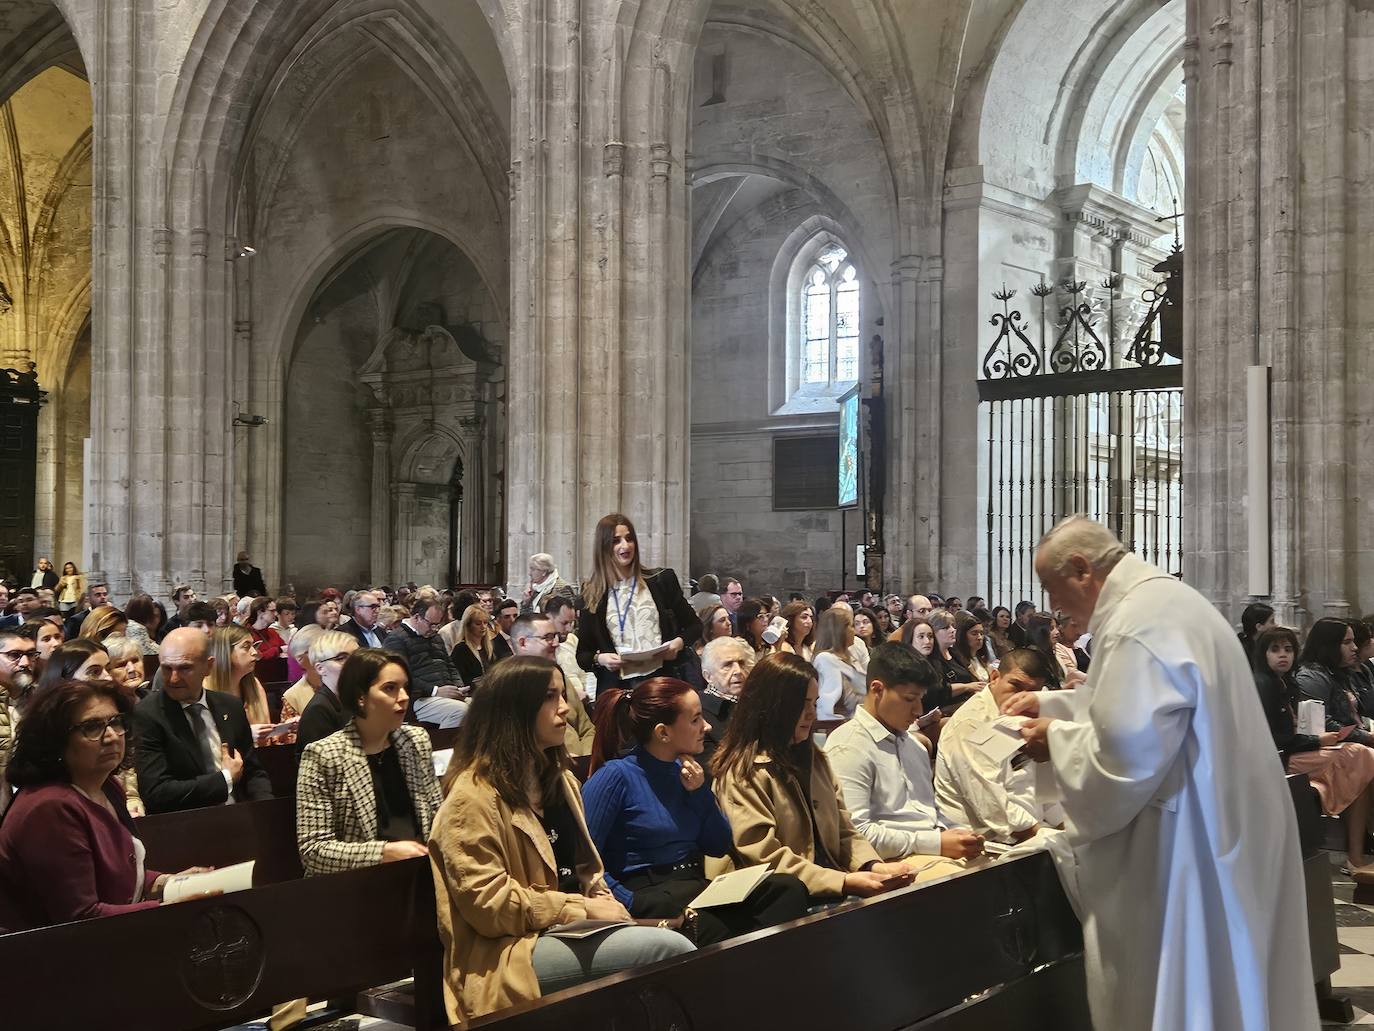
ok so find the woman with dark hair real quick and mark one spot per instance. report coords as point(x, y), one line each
point(752, 621)
point(68, 850)
point(999, 635)
point(779, 794)
point(1255, 618)
point(867, 627)
point(1324, 675)
point(1342, 772)
point(367, 794)
point(262, 614)
point(512, 858)
point(654, 819)
point(801, 630)
point(715, 622)
point(883, 624)
point(144, 621)
point(1042, 634)
point(957, 683)
point(970, 648)
point(1361, 676)
point(70, 587)
point(630, 610)
point(81, 659)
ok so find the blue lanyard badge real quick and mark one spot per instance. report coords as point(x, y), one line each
point(623, 613)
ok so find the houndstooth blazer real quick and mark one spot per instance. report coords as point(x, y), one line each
point(336, 807)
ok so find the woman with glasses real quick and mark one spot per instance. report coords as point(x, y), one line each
point(68, 850)
point(367, 794)
point(324, 714)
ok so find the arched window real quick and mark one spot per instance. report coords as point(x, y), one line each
point(830, 320)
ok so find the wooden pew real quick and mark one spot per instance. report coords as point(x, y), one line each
point(224, 835)
point(221, 961)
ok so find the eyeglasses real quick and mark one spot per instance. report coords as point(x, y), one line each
point(546, 638)
point(341, 657)
point(374, 605)
point(94, 730)
point(20, 656)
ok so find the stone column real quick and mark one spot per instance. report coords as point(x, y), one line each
point(379, 424)
point(403, 519)
point(598, 379)
point(474, 564)
point(1280, 273)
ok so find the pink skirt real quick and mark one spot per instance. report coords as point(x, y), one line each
point(1339, 774)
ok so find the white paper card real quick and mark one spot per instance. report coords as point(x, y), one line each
point(584, 928)
point(1000, 739)
point(442, 758)
point(1311, 717)
point(238, 877)
point(732, 887)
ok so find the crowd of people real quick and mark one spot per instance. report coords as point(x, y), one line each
point(841, 741)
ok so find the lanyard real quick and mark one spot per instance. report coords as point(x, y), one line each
point(622, 614)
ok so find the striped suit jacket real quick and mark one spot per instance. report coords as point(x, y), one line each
point(336, 806)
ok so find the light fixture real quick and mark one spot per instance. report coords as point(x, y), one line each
point(248, 420)
point(245, 251)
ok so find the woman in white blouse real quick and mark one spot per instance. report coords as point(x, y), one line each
point(842, 685)
point(630, 611)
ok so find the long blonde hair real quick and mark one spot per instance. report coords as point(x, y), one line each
point(465, 624)
point(603, 559)
point(248, 690)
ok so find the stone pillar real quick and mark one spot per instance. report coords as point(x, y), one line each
point(403, 519)
point(380, 427)
point(474, 564)
point(1280, 272)
point(598, 378)
point(908, 497)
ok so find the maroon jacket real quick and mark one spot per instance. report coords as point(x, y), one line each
point(64, 858)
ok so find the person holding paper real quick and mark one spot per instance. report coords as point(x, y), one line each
point(885, 774)
point(367, 794)
point(234, 673)
point(1342, 772)
point(512, 859)
point(636, 620)
point(654, 819)
point(68, 850)
point(779, 794)
point(1324, 676)
point(1186, 866)
point(978, 785)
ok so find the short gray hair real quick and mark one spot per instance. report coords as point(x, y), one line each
point(121, 648)
point(543, 561)
point(1084, 537)
point(301, 640)
point(721, 650)
point(328, 643)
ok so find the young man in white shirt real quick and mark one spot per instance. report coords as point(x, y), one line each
point(995, 798)
point(884, 770)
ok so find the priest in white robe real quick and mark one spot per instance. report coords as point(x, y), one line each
point(1185, 846)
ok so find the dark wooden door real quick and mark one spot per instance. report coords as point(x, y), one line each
point(20, 399)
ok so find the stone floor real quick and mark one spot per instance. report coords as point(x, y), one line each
point(1355, 930)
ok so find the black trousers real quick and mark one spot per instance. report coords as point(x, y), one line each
point(780, 898)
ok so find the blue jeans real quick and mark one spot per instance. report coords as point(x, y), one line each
point(446, 712)
point(564, 962)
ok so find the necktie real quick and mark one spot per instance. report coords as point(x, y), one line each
point(204, 727)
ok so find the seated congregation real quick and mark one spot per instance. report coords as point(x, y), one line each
point(612, 750)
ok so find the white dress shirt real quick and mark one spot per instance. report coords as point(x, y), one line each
point(994, 799)
point(887, 786)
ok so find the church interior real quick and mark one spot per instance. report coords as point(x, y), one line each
point(311, 305)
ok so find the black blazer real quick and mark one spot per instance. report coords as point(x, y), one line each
point(324, 715)
point(356, 632)
point(717, 711)
point(248, 582)
point(49, 580)
point(168, 759)
point(468, 663)
point(675, 619)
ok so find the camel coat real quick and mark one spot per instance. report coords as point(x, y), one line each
point(495, 884)
point(768, 815)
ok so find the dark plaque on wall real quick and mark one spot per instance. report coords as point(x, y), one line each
point(20, 400)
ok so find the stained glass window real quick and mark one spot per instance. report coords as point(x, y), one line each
point(830, 319)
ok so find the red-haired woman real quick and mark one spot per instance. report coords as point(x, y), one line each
point(630, 610)
point(653, 818)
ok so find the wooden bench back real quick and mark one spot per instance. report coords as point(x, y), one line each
point(224, 835)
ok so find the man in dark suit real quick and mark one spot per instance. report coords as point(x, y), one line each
point(195, 747)
point(363, 626)
point(503, 645)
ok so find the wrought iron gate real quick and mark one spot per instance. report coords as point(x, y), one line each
point(1087, 419)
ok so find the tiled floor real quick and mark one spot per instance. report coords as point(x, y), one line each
point(1355, 930)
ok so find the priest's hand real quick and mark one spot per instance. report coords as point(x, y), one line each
point(1037, 736)
point(1023, 703)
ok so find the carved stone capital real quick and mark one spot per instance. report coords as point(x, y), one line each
point(613, 159)
point(660, 160)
